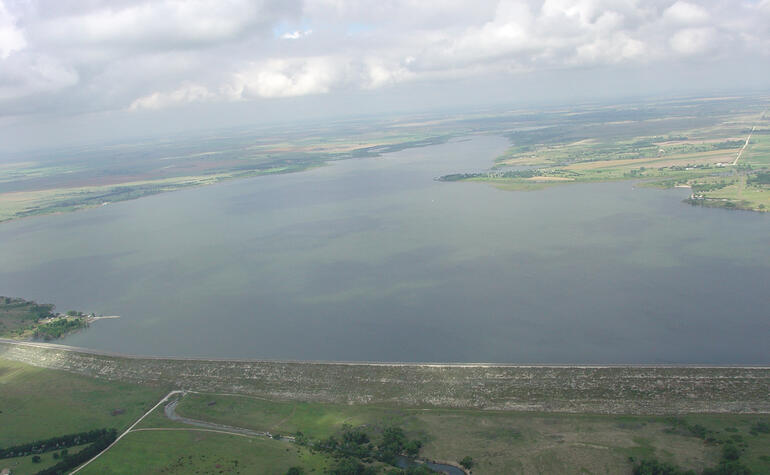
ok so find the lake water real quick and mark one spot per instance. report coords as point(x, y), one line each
point(371, 259)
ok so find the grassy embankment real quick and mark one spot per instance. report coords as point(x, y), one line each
point(22, 319)
point(38, 403)
point(701, 158)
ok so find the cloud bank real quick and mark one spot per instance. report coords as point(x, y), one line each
point(74, 57)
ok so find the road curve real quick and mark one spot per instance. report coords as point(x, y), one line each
point(170, 412)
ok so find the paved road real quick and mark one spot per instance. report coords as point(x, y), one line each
point(740, 152)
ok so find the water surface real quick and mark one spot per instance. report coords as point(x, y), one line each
point(371, 259)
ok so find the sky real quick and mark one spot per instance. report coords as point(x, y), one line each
point(79, 70)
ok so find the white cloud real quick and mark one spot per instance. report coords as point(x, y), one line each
point(378, 72)
point(186, 94)
point(295, 35)
point(11, 37)
point(23, 75)
point(286, 78)
point(158, 24)
point(692, 41)
point(686, 13)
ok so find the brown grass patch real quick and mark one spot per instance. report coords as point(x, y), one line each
point(714, 156)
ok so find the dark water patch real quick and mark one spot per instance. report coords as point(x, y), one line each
point(404, 462)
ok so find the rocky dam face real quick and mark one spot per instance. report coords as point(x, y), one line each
point(570, 389)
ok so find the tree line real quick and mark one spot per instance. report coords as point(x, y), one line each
point(54, 443)
point(71, 461)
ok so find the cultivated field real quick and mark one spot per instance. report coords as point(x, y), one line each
point(723, 144)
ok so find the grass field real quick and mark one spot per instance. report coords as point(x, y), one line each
point(500, 441)
point(192, 451)
point(25, 465)
point(314, 420)
point(38, 403)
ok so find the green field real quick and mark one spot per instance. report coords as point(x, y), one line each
point(192, 451)
point(501, 442)
point(26, 464)
point(314, 420)
point(40, 403)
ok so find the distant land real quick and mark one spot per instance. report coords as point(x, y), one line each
point(718, 147)
point(723, 156)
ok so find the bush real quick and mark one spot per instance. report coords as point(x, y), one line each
point(349, 466)
point(467, 462)
point(730, 452)
point(656, 467)
point(760, 427)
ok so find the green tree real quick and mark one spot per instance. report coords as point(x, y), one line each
point(350, 466)
point(467, 462)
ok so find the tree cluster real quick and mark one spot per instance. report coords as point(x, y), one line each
point(58, 328)
point(354, 449)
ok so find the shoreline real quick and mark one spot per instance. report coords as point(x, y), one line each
point(418, 364)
